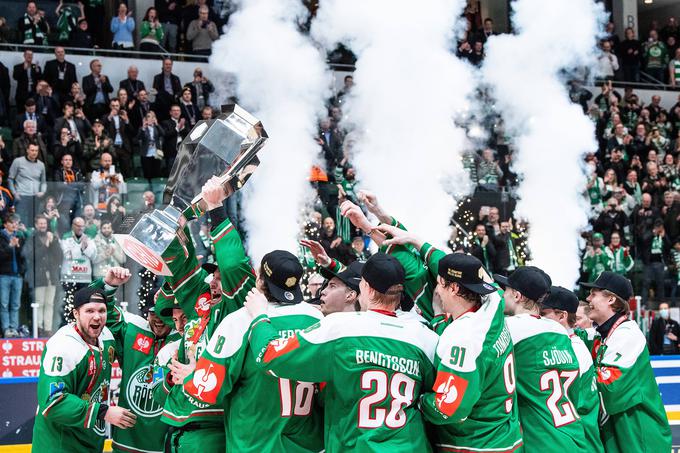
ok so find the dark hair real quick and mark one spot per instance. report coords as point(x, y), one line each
point(349, 76)
point(488, 19)
point(68, 104)
point(30, 102)
point(465, 293)
point(146, 15)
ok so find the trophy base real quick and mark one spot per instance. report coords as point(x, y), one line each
point(144, 255)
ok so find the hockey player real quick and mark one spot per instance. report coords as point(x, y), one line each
point(285, 410)
point(635, 417)
point(374, 364)
point(560, 306)
point(138, 342)
point(548, 383)
point(73, 386)
point(473, 403)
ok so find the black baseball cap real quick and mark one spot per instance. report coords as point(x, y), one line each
point(561, 299)
point(467, 271)
point(530, 281)
point(613, 283)
point(86, 295)
point(382, 271)
point(282, 273)
point(351, 275)
point(209, 267)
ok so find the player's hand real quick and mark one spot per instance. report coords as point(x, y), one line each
point(356, 216)
point(120, 417)
point(213, 193)
point(398, 236)
point(181, 370)
point(317, 251)
point(256, 303)
point(370, 200)
point(117, 276)
point(437, 307)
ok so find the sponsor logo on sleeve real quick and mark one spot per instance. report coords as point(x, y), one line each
point(277, 348)
point(608, 374)
point(207, 381)
point(450, 390)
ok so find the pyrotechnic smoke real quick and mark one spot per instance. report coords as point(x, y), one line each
point(282, 80)
point(408, 87)
point(550, 133)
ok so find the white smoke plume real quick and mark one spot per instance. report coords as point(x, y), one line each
point(282, 80)
point(550, 133)
point(408, 87)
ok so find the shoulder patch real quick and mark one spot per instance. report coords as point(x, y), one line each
point(624, 346)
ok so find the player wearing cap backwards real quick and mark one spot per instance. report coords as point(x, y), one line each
point(560, 306)
point(138, 341)
point(548, 370)
point(473, 400)
point(206, 294)
point(635, 417)
point(374, 364)
point(262, 413)
point(73, 385)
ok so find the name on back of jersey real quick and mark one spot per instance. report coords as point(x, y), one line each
point(555, 356)
point(391, 362)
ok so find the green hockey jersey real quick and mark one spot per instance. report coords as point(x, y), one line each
point(375, 367)
point(588, 407)
point(473, 404)
point(287, 418)
point(74, 380)
point(636, 419)
point(547, 385)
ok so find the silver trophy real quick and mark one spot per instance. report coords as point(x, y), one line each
point(226, 146)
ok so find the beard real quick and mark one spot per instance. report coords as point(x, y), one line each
point(91, 330)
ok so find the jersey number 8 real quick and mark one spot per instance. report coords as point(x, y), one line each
point(399, 387)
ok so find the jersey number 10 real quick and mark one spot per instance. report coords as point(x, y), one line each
point(304, 395)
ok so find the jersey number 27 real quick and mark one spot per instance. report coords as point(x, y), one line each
point(562, 414)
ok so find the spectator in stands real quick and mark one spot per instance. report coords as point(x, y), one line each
point(654, 184)
point(117, 126)
point(489, 172)
point(60, 74)
point(42, 253)
point(482, 248)
point(487, 30)
point(78, 251)
point(330, 241)
point(109, 253)
point(607, 62)
point(70, 187)
point(616, 162)
point(331, 144)
point(30, 114)
point(95, 145)
point(123, 27)
point(76, 96)
point(655, 254)
point(27, 181)
point(132, 84)
point(476, 54)
point(151, 33)
point(139, 108)
point(11, 272)
point(46, 104)
point(656, 57)
point(630, 52)
point(30, 136)
point(115, 212)
point(65, 145)
point(92, 222)
point(6, 198)
point(81, 37)
point(190, 111)
point(4, 95)
point(78, 125)
point(206, 113)
point(33, 26)
point(96, 87)
point(150, 138)
point(105, 183)
point(5, 32)
point(674, 69)
point(149, 202)
point(611, 219)
point(169, 14)
point(620, 259)
point(506, 249)
point(168, 88)
point(96, 15)
point(664, 333)
point(67, 20)
point(200, 88)
point(174, 131)
point(26, 75)
point(202, 32)
point(596, 260)
point(191, 13)
point(51, 213)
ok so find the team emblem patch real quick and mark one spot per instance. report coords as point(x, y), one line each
point(450, 390)
point(277, 348)
point(288, 295)
point(607, 375)
point(290, 282)
point(207, 381)
point(142, 343)
point(112, 354)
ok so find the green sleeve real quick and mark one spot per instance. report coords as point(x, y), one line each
point(418, 284)
point(160, 365)
point(237, 275)
point(628, 262)
point(115, 319)
point(306, 356)
point(57, 394)
point(220, 365)
point(145, 29)
point(160, 33)
point(431, 256)
point(439, 323)
point(188, 278)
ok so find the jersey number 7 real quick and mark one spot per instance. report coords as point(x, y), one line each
point(564, 413)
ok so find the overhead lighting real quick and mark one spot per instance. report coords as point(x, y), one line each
point(648, 2)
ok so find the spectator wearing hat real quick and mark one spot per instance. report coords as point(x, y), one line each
point(655, 255)
point(596, 260)
point(636, 419)
point(11, 273)
point(81, 36)
point(561, 306)
point(664, 332)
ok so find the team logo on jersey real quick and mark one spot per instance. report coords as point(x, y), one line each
point(607, 375)
point(450, 390)
point(56, 387)
point(100, 395)
point(142, 343)
point(207, 381)
point(112, 354)
point(202, 306)
point(277, 348)
point(139, 392)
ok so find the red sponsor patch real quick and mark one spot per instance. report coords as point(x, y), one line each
point(608, 374)
point(207, 381)
point(277, 348)
point(142, 343)
point(202, 305)
point(450, 390)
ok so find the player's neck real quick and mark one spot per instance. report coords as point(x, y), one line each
point(460, 307)
point(521, 310)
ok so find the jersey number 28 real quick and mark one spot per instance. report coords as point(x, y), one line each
point(399, 387)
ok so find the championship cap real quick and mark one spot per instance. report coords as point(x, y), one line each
point(467, 271)
point(382, 271)
point(530, 281)
point(613, 283)
point(561, 299)
point(351, 275)
point(86, 295)
point(282, 272)
point(210, 268)
point(165, 300)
